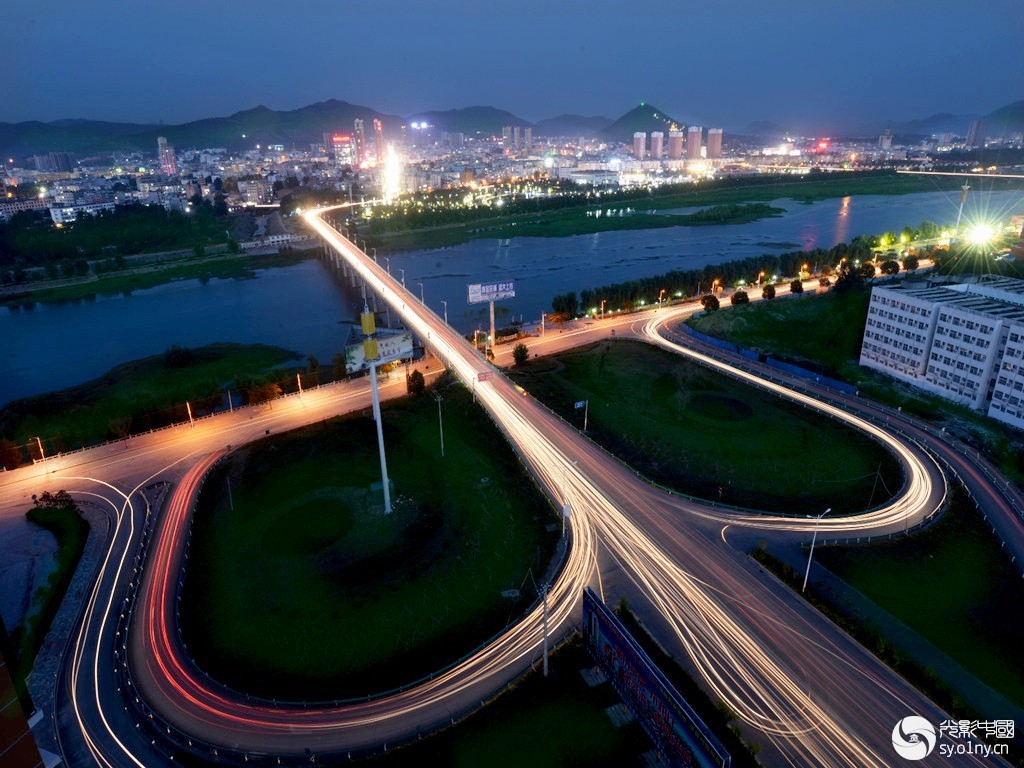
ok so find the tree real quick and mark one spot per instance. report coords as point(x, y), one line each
point(520, 354)
point(866, 270)
point(740, 297)
point(10, 454)
point(709, 302)
point(889, 267)
point(415, 383)
point(796, 286)
point(910, 263)
point(768, 292)
point(565, 304)
point(233, 246)
point(849, 279)
point(261, 393)
point(338, 366)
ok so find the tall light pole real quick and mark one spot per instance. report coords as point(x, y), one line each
point(602, 307)
point(387, 260)
point(39, 442)
point(403, 276)
point(963, 199)
point(421, 292)
point(445, 311)
point(810, 554)
point(374, 255)
point(660, 294)
point(440, 424)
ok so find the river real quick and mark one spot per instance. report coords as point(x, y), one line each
point(301, 307)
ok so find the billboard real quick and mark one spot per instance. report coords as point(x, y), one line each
point(394, 347)
point(481, 292)
point(676, 730)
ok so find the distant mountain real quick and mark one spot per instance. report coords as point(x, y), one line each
point(764, 129)
point(646, 118)
point(571, 125)
point(77, 136)
point(260, 125)
point(1006, 120)
point(471, 120)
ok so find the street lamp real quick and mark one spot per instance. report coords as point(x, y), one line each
point(403, 276)
point(388, 260)
point(811, 553)
point(421, 292)
point(374, 255)
point(660, 294)
point(445, 311)
point(39, 442)
point(759, 276)
point(602, 308)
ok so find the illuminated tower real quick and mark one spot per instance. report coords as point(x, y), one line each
point(657, 145)
point(639, 144)
point(515, 136)
point(714, 142)
point(360, 141)
point(693, 142)
point(168, 162)
point(675, 145)
point(378, 137)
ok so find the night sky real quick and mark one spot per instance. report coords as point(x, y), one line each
point(817, 66)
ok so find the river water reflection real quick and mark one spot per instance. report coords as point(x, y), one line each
point(301, 307)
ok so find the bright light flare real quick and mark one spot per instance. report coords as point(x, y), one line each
point(392, 175)
point(981, 234)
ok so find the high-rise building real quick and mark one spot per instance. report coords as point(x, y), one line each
point(976, 134)
point(515, 136)
point(529, 137)
point(506, 136)
point(693, 142)
point(360, 138)
point(885, 140)
point(639, 144)
point(714, 142)
point(378, 138)
point(675, 145)
point(165, 152)
point(657, 145)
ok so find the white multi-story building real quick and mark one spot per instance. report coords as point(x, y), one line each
point(964, 342)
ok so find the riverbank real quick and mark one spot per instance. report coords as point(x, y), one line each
point(133, 397)
point(216, 265)
point(579, 219)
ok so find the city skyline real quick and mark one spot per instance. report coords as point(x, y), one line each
point(755, 63)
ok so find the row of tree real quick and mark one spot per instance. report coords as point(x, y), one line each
point(628, 295)
point(30, 239)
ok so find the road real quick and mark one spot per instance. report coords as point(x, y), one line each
point(816, 696)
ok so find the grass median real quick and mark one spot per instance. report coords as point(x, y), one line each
point(954, 586)
point(702, 433)
point(305, 590)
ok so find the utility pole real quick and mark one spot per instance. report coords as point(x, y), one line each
point(188, 407)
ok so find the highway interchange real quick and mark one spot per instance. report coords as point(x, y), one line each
point(815, 696)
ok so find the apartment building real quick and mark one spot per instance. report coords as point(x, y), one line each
point(964, 342)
